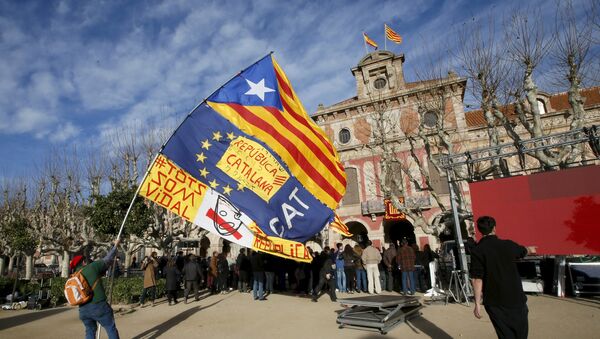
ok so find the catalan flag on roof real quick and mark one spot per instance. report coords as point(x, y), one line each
point(249, 165)
point(369, 41)
point(391, 35)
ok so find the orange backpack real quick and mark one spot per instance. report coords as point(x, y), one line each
point(78, 290)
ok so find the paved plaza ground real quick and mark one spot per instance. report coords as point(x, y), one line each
point(236, 315)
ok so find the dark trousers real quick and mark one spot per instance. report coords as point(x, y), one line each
point(509, 322)
point(243, 282)
point(148, 291)
point(172, 296)
point(321, 284)
point(350, 278)
point(191, 285)
point(389, 286)
point(222, 282)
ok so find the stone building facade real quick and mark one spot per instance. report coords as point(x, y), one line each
point(350, 124)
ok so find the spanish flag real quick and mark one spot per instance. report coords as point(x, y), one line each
point(391, 35)
point(369, 41)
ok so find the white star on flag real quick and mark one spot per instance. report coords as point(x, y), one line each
point(258, 89)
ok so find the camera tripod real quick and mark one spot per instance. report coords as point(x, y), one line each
point(459, 289)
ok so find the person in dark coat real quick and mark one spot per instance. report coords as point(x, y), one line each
point(173, 275)
point(496, 281)
point(350, 257)
point(243, 264)
point(223, 273)
point(326, 275)
point(258, 273)
point(180, 261)
point(192, 274)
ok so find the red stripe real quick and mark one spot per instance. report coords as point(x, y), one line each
point(315, 175)
point(301, 119)
point(308, 142)
point(214, 216)
point(283, 85)
point(325, 142)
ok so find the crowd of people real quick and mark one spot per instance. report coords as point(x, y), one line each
point(346, 269)
point(361, 268)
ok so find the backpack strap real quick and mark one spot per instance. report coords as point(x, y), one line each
point(95, 281)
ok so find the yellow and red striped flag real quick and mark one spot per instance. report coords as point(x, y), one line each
point(368, 41)
point(391, 35)
point(339, 226)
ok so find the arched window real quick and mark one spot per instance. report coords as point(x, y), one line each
point(344, 135)
point(430, 119)
point(541, 106)
point(379, 83)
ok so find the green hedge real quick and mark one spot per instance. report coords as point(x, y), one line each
point(125, 290)
point(24, 287)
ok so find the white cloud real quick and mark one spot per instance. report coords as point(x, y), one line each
point(114, 64)
point(64, 132)
point(30, 120)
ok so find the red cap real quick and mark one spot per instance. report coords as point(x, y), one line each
point(75, 261)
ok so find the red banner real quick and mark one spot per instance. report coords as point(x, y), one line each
point(556, 211)
point(391, 212)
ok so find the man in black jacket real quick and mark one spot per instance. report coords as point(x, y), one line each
point(243, 266)
point(326, 277)
point(192, 274)
point(497, 283)
point(258, 274)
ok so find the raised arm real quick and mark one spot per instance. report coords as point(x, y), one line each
point(111, 254)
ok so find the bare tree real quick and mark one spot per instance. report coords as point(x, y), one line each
point(58, 207)
point(13, 206)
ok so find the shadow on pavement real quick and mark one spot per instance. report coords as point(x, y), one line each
point(159, 329)
point(428, 328)
point(589, 302)
point(29, 317)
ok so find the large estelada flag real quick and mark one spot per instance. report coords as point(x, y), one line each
point(248, 164)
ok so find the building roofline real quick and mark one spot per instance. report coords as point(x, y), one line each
point(421, 87)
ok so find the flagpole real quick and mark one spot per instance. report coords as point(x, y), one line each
point(112, 270)
point(384, 38)
point(365, 42)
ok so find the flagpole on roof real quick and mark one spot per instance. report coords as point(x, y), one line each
point(365, 42)
point(384, 38)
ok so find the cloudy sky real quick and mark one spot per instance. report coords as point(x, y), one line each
point(72, 71)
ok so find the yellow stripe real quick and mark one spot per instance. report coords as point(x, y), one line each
point(317, 164)
point(234, 117)
point(330, 154)
point(299, 108)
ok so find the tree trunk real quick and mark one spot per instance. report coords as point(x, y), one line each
point(28, 266)
point(127, 262)
point(11, 263)
point(66, 257)
point(2, 265)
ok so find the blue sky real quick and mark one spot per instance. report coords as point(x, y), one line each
point(74, 71)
